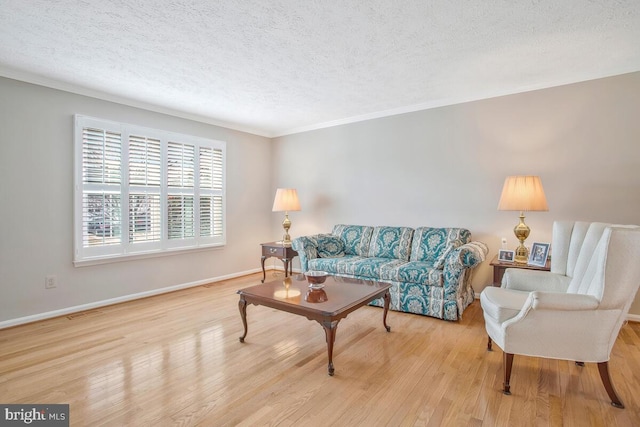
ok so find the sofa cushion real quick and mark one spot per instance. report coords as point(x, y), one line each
point(356, 238)
point(370, 267)
point(434, 244)
point(335, 265)
point(330, 246)
point(502, 304)
point(422, 273)
point(391, 242)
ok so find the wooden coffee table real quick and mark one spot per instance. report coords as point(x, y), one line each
point(293, 295)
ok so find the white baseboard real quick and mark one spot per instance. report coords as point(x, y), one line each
point(633, 317)
point(281, 268)
point(89, 306)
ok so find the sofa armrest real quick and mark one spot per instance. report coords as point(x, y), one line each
point(533, 280)
point(307, 248)
point(468, 255)
point(457, 267)
point(317, 246)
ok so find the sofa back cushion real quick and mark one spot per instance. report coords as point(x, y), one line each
point(330, 246)
point(356, 238)
point(434, 244)
point(391, 242)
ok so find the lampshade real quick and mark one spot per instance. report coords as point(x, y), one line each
point(523, 193)
point(286, 200)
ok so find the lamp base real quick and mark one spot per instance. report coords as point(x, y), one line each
point(521, 231)
point(522, 255)
point(286, 224)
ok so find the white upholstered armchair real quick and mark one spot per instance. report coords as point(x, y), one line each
point(575, 311)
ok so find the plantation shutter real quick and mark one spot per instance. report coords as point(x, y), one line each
point(101, 187)
point(211, 185)
point(181, 195)
point(145, 223)
point(141, 191)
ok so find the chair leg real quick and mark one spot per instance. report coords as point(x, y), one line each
point(507, 361)
point(603, 368)
point(489, 345)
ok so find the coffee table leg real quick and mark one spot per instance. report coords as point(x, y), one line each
point(387, 300)
point(330, 332)
point(242, 305)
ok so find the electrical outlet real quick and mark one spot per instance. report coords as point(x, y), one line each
point(504, 243)
point(50, 282)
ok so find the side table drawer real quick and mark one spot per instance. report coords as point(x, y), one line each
point(274, 251)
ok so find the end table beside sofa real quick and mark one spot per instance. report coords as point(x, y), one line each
point(281, 251)
point(499, 267)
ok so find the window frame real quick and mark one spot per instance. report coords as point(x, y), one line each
point(128, 247)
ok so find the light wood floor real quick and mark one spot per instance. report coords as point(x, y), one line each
point(175, 359)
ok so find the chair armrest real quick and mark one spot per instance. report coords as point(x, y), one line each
point(534, 280)
point(559, 301)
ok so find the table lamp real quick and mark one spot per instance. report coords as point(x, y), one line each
point(286, 200)
point(522, 193)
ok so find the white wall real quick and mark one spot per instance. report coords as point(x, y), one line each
point(446, 166)
point(439, 167)
point(36, 216)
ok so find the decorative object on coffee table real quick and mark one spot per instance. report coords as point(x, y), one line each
point(316, 278)
point(522, 193)
point(315, 295)
point(286, 201)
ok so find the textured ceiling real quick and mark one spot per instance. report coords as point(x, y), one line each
point(284, 66)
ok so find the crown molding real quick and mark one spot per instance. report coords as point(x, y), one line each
point(40, 80)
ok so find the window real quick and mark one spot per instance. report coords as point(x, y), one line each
point(144, 191)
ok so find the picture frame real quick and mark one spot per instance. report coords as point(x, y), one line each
point(538, 254)
point(505, 255)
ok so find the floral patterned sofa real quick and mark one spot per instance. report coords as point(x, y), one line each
point(429, 268)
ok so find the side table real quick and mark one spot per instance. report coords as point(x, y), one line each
point(278, 250)
point(499, 267)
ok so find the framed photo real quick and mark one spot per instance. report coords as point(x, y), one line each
point(505, 255)
point(538, 254)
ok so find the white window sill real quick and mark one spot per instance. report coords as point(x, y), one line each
point(143, 255)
